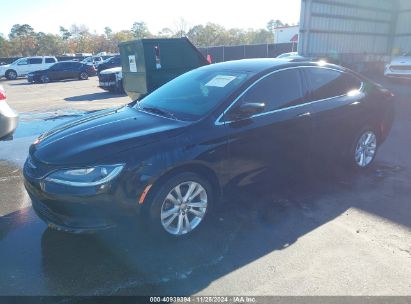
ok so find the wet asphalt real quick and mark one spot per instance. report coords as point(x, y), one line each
point(323, 231)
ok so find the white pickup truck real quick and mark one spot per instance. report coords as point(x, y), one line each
point(23, 66)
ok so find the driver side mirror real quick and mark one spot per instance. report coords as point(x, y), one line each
point(247, 110)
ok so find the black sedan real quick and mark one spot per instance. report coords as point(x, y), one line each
point(172, 154)
point(63, 70)
point(109, 63)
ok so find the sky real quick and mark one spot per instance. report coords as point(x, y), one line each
point(48, 15)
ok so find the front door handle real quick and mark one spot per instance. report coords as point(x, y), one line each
point(305, 114)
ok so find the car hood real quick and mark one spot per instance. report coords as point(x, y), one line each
point(404, 60)
point(102, 134)
point(39, 72)
point(111, 71)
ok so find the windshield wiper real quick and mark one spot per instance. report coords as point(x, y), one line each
point(160, 112)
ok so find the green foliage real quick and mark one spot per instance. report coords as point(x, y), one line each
point(140, 30)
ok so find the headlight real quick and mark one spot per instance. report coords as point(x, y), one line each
point(85, 177)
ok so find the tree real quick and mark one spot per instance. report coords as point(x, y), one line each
point(165, 33)
point(5, 47)
point(140, 30)
point(49, 44)
point(79, 30)
point(18, 30)
point(65, 33)
point(272, 24)
point(259, 37)
point(209, 35)
point(108, 31)
point(181, 28)
point(22, 39)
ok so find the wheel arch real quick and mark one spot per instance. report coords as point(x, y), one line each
point(197, 168)
point(11, 70)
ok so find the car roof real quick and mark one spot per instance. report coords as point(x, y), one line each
point(266, 64)
point(40, 57)
point(69, 61)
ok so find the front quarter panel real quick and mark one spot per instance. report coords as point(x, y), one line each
point(199, 146)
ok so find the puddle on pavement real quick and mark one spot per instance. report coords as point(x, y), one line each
point(34, 124)
point(31, 125)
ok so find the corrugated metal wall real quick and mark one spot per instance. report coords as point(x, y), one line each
point(402, 41)
point(342, 28)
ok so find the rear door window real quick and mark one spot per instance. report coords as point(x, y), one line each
point(279, 90)
point(325, 83)
point(35, 60)
point(50, 60)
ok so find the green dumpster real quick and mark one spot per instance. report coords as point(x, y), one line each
point(149, 63)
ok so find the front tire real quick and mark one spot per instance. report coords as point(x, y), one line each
point(180, 206)
point(11, 75)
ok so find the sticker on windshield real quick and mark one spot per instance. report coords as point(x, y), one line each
point(220, 81)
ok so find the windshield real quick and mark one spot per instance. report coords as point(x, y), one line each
point(17, 61)
point(194, 94)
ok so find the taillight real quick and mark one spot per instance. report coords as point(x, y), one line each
point(2, 95)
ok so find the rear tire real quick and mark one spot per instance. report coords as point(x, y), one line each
point(363, 149)
point(11, 75)
point(179, 215)
point(83, 76)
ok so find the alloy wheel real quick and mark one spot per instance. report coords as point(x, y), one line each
point(45, 79)
point(184, 208)
point(366, 149)
point(12, 75)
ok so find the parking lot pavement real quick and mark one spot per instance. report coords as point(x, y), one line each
point(59, 96)
point(322, 232)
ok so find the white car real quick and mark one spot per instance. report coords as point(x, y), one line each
point(8, 117)
point(93, 60)
point(111, 80)
point(399, 67)
point(23, 66)
point(290, 55)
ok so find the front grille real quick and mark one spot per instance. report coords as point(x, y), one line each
point(107, 77)
point(45, 212)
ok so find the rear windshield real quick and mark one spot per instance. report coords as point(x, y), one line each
point(194, 94)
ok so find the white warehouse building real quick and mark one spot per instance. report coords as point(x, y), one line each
point(353, 31)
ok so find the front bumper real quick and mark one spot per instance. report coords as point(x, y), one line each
point(76, 213)
point(397, 73)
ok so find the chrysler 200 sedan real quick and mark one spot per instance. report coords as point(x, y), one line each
point(167, 158)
